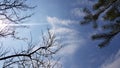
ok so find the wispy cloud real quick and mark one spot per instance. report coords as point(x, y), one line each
point(78, 12)
point(54, 21)
point(112, 62)
point(69, 35)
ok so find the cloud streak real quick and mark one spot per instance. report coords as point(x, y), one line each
point(78, 12)
point(69, 35)
point(112, 62)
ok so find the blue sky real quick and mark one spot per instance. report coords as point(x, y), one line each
point(63, 17)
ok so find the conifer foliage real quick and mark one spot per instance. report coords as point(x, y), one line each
point(109, 10)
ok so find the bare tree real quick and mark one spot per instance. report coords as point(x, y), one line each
point(35, 56)
point(41, 56)
point(10, 14)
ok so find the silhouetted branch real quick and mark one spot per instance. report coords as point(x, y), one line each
point(41, 56)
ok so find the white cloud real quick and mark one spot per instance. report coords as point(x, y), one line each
point(71, 47)
point(54, 21)
point(113, 62)
point(78, 12)
point(61, 30)
point(69, 35)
